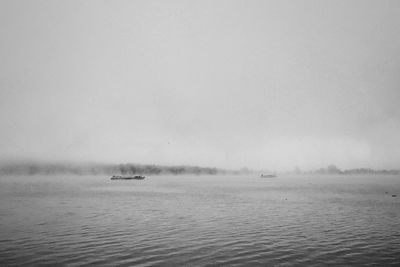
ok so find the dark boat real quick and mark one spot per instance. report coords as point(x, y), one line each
point(268, 175)
point(120, 177)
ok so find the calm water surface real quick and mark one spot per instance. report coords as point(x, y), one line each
point(200, 221)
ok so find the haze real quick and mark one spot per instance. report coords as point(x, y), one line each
point(262, 84)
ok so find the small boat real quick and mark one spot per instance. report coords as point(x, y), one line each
point(120, 177)
point(268, 176)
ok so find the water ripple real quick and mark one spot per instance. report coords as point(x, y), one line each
point(231, 222)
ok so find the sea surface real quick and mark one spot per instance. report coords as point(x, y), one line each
point(200, 221)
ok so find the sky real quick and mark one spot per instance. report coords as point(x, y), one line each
point(261, 84)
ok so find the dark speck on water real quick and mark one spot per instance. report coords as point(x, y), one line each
point(199, 221)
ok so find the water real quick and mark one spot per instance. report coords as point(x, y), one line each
point(200, 221)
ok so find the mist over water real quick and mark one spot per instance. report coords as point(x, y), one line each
point(261, 84)
point(200, 220)
point(240, 87)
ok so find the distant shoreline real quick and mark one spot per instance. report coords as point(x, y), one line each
point(18, 168)
point(36, 168)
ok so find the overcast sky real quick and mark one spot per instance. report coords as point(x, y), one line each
point(262, 84)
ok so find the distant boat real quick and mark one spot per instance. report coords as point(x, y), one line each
point(268, 175)
point(120, 177)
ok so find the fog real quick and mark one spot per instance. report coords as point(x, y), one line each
point(262, 84)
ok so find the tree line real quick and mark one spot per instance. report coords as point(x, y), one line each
point(102, 169)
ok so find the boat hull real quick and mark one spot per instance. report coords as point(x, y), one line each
point(136, 177)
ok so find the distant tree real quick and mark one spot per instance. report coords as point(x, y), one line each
point(332, 169)
point(297, 170)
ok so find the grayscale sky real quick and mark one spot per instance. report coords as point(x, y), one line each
point(262, 84)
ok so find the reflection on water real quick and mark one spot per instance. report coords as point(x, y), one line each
point(200, 221)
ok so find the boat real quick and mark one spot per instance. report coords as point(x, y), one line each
point(120, 177)
point(268, 176)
